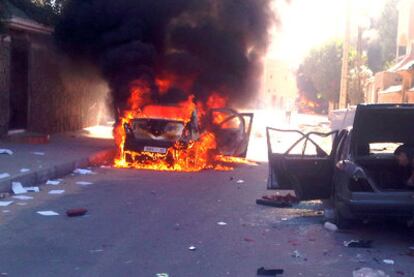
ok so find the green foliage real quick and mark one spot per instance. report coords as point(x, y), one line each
point(42, 11)
point(323, 68)
point(381, 52)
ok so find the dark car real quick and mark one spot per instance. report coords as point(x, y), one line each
point(355, 167)
point(156, 134)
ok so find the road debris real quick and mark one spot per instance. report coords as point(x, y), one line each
point(32, 189)
point(53, 182)
point(6, 211)
point(358, 243)
point(330, 226)
point(192, 248)
point(5, 203)
point(388, 261)
point(24, 170)
point(249, 240)
point(83, 183)
point(47, 213)
point(39, 153)
point(22, 197)
point(369, 272)
point(296, 254)
point(96, 251)
point(221, 223)
point(4, 175)
point(269, 272)
point(278, 201)
point(21, 203)
point(56, 191)
point(240, 181)
point(83, 171)
point(76, 212)
point(6, 152)
point(162, 275)
point(4, 195)
point(17, 188)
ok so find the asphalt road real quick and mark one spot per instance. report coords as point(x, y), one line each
point(142, 223)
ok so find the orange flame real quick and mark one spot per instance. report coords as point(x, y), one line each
point(195, 156)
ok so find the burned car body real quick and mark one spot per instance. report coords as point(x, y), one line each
point(157, 134)
point(356, 169)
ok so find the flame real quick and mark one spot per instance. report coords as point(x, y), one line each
point(195, 156)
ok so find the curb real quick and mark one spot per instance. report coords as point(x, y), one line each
point(39, 177)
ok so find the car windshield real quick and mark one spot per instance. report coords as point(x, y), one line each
point(157, 129)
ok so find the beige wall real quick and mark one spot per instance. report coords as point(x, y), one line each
point(279, 90)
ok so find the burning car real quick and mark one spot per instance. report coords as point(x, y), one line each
point(179, 138)
point(354, 166)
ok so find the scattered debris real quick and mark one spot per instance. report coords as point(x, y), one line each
point(96, 250)
point(53, 182)
point(162, 275)
point(106, 166)
point(330, 226)
point(23, 197)
point(6, 211)
point(369, 272)
point(83, 183)
point(240, 181)
point(47, 213)
point(269, 272)
point(82, 171)
point(56, 191)
point(5, 203)
point(249, 240)
point(32, 189)
point(24, 170)
point(6, 151)
point(21, 203)
point(38, 153)
point(296, 254)
point(4, 195)
point(283, 219)
point(192, 248)
point(358, 243)
point(278, 201)
point(17, 188)
point(76, 212)
point(4, 175)
point(388, 261)
point(221, 223)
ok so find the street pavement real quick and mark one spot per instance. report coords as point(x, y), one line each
point(142, 223)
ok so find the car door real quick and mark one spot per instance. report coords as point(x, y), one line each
point(305, 166)
point(232, 131)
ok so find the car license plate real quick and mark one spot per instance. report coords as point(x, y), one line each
point(155, 149)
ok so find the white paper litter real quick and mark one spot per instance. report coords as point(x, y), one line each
point(17, 188)
point(221, 223)
point(23, 197)
point(4, 175)
point(57, 191)
point(240, 181)
point(6, 151)
point(83, 183)
point(162, 275)
point(53, 182)
point(369, 272)
point(96, 250)
point(21, 203)
point(38, 153)
point(5, 203)
point(192, 248)
point(330, 226)
point(24, 170)
point(83, 171)
point(6, 211)
point(32, 189)
point(388, 261)
point(47, 213)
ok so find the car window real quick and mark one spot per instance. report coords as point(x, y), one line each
point(383, 147)
point(280, 141)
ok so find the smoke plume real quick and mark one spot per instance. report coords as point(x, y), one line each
point(197, 46)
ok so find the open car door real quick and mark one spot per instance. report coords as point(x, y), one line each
point(232, 130)
point(306, 166)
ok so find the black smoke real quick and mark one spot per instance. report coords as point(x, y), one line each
point(217, 44)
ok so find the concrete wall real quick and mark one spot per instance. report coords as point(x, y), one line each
point(4, 84)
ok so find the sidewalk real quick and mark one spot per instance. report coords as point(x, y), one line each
point(34, 164)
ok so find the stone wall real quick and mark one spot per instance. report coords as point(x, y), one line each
point(4, 84)
point(63, 95)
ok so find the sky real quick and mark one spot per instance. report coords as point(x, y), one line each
point(305, 24)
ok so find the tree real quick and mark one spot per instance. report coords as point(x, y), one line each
point(323, 68)
point(358, 80)
point(381, 51)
